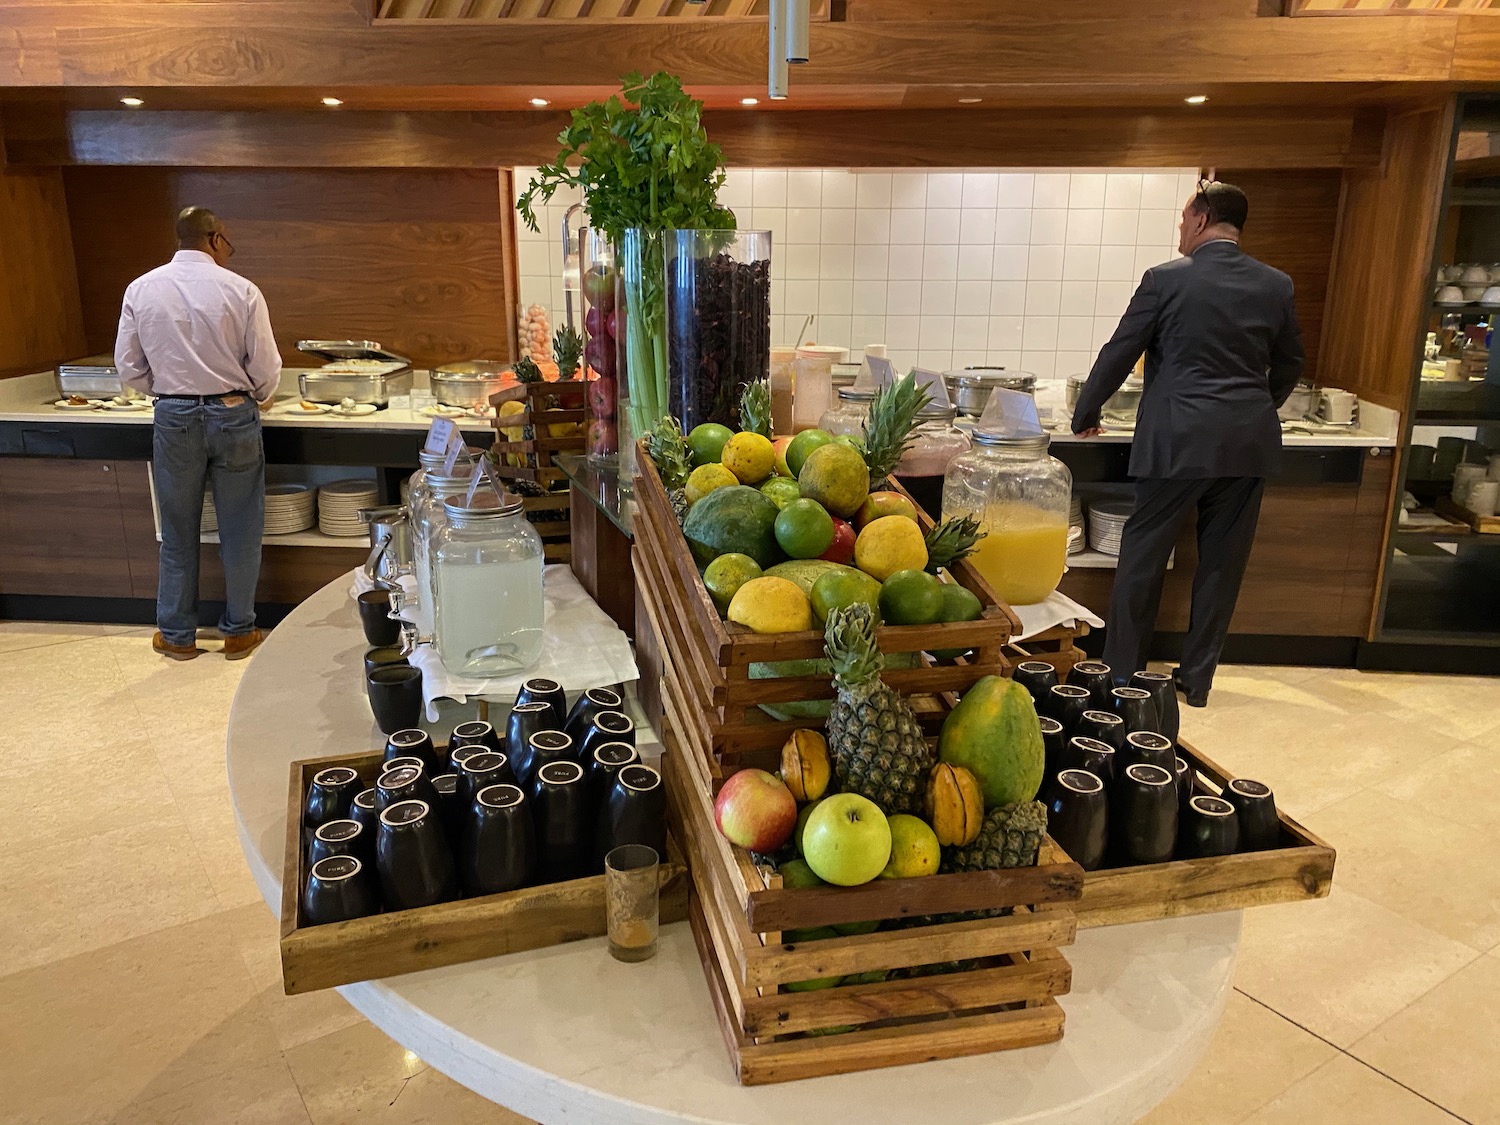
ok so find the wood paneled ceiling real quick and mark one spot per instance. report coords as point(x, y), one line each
point(1384, 7)
point(577, 9)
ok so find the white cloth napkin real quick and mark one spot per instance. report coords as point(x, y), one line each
point(582, 648)
point(1057, 609)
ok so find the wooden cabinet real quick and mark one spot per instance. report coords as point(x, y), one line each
point(63, 529)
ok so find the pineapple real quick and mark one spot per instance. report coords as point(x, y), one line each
point(879, 751)
point(1011, 837)
point(755, 408)
point(893, 417)
point(567, 349)
point(527, 371)
point(670, 454)
point(951, 540)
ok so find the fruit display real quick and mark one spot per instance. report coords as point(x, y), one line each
point(534, 333)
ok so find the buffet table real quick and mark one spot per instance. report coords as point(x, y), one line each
point(568, 1034)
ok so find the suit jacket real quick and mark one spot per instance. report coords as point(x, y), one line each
point(1223, 352)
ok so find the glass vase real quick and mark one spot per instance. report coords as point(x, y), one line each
point(642, 338)
point(718, 319)
point(602, 353)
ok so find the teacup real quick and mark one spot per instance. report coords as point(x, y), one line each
point(1450, 295)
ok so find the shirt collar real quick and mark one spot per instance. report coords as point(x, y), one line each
point(193, 256)
point(1218, 242)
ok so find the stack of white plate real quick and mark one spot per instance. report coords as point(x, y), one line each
point(339, 504)
point(289, 508)
point(1106, 523)
point(210, 517)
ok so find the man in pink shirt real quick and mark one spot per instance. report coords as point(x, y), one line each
point(197, 338)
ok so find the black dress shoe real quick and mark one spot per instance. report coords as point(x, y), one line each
point(1193, 698)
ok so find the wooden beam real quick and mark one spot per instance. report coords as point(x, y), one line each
point(1179, 137)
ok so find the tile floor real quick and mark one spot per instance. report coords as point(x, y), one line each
point(139, 981)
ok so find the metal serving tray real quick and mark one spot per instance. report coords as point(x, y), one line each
point(317, 385)
point(92, 377)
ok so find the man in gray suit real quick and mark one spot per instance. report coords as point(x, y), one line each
point(1223, 352)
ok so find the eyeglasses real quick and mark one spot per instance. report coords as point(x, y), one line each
point(228, 246)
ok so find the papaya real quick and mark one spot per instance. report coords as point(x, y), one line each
point(995, 735)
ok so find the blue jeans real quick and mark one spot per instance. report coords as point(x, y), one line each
point(208, 444)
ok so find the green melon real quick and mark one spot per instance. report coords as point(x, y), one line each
point(815, 710)
point(805, 572)
point(736, 519)
point(994, 733)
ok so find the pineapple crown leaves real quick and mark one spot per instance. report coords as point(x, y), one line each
point(849, 643)
point(567, 349)
point(888, 430)
point(755, 408)
point(951, 540)
point(669, 452)
point(527, 371)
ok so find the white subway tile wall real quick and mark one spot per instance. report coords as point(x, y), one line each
point(1024, 269)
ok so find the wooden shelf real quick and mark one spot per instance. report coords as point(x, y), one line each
point(310, 538)
point(1477, 169)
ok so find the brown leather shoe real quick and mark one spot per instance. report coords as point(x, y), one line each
point(175, 652)
point(242, 645)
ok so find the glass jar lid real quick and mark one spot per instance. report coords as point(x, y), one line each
point(853, 394)
point(1036, 443)
point(937, 412)
point(481, 507)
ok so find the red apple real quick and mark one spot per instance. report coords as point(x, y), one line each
point(612, 325)
point(593, 321)
point(779, 448)
point(841, 550)
point(602, 396)
point(603, 438)
point(755, 810)
point(879, 504)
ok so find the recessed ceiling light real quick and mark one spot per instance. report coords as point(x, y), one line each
point(749, 101)
point(1196, 99)
point(331, 102)
point(132, 102)
point(969, 101)
point(540, 103)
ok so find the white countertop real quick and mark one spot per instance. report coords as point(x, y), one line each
point(30, 398)
point(567, 1034)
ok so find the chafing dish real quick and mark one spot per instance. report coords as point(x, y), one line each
point(1121, 407)
point(969, 388)
point(357, 369)
point(470, 383)
point(92, 377)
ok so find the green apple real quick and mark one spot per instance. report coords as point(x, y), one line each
point(847, 840)
point(795, 874)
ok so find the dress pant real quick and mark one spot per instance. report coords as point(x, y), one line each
point(208, 444)
point(1228, 508)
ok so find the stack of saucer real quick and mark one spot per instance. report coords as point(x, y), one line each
point(1076, 537)
point(289, 508)
point(339, 504)
point(1106, 523)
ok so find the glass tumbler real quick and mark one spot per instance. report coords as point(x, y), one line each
point(632, 901)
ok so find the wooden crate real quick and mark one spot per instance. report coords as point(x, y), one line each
point(1484, 525)
point(547, 404)
point(1056, 646)
point(1300, 869)
point(739, 913)
point(552, 517)
point(404, 941)
point(713, 658)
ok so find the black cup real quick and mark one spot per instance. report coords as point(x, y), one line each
point(1212, 828)
point(607, 726)
point(415, 743)
point(329, 796)
point(1184, 786)
point(1078, 817)
point(479, 771)
point(413, 857)
point(375, 616)
point(338, 888)
point(395, 697)
point(565, 831)
point(475, 732)
point(1054, 742)
point(1066, 704)
point(546, 746)
point(1135, 707)
point(604, 764)
point(342, 837)
point(457, 755)
point(363, 809)
point(402, 762)
point(384, 656)
point(542, 690)
point(1260, 829)
point(1093, 755)
point(525, 720)
point(1149, 748)
point(1143, 815)
point(501, 848)
point(633, 812)
point(1037, 677)
point(1106, 726)
point(450, 809)
point(1096, 676)
point(405, 783)
point(1163, 699)
point(586, 706)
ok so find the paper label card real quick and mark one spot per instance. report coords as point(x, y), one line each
point(439, 434)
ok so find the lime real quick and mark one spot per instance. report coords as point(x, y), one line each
point(800, 448)
point(781, 490)
point(804, 529)
point(911, 597)
point(853, 441)
point(853, 929)
point(705, 478)
point(958, 605)
point(707, 442)
point(726, 574)
point(842, 588)
point(802, 816)
point(889, 544)
point(749, 457)
point(796, 874)
point(771, 605)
